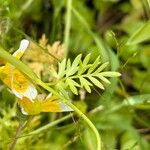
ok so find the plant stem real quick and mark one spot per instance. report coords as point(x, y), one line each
point(148, 1)
point(82, 115)
point(55, 122)
point(18, 132)
point(24, 7)
point(67, 27)
point(51, 124)
point(88, 121)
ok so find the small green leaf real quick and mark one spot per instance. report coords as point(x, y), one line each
point(53, 72)
point(102, 67)
point(94, 65)
point(96, 82)
point(85, 83)
point(76, 61)
point(61, 69)
point(103, 78)
point(72, 85)
point(110, 74)
point(68, 65)
point(74, 68)
point(83, 68)
point(72, 71)
point(74, 82)
point(86, 59)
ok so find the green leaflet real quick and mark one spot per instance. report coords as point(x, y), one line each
point(86, 59)
point(94, 65)
point(102, 78)
point(83, 65)
point(96, 82)
point(110, 74)
point(72, 85)
point(74, 68)
point(102, 67)
point(85, 83)
point(61, 68)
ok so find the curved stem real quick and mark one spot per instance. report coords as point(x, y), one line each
point(82, 115)
point(88, 121)
point(67, 27)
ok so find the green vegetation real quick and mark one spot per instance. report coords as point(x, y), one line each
point(78, 50)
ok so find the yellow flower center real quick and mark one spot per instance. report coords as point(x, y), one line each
point(13, 78)
point(20, 83)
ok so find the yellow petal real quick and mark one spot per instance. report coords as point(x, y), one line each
point(28, 107)
point(51, 104)
point(5, 75)
point(64, 107)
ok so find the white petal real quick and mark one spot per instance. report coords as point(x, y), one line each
point(65, 107)
point(24, 45)
point(23, 111)
point(19, 95)
point(49, 95)
point(22, 48)
point(30, 93)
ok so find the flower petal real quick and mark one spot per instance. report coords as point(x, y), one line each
point(22, 48)
point(23, 111)
point(28, 107)
point(51, 104)
point(64, 107)
point(30, 93)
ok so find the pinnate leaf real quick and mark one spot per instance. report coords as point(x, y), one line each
point(85, 83)
point(96, 82)
point(94, 65)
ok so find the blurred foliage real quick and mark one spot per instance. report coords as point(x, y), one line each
point(118, 31)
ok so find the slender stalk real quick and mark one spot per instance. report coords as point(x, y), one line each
point(88, 121)
point(82, 115)
point(70, 141)
point(148, 1)
point(24, 7)
point(67, 27)
point(18, 132)
point(51, 124)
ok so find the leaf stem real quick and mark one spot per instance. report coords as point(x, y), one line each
point(67, 27)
